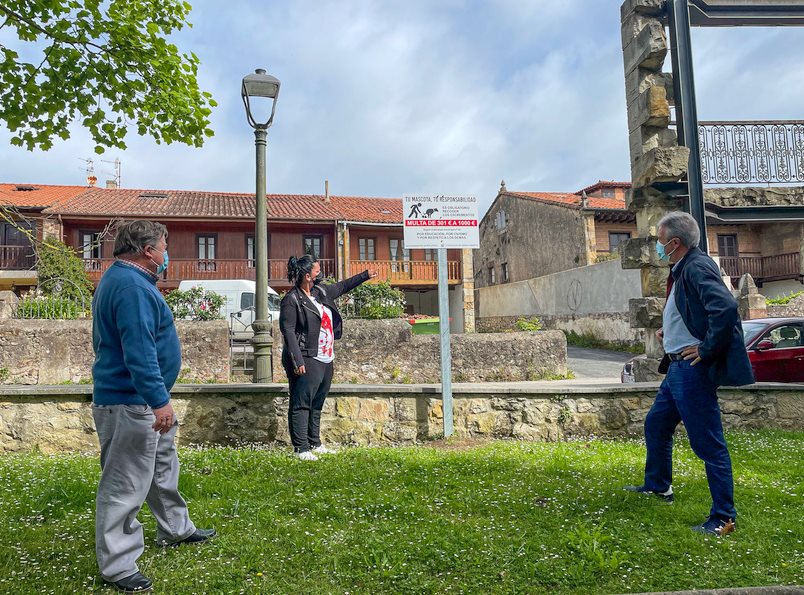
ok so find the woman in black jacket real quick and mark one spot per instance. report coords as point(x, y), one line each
point(310, 325)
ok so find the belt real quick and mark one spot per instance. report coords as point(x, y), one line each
point(675, 357)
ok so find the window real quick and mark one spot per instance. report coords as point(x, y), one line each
point(784, 336)
point(505, 272)
point(607, 193)
point(367, 249)
point(206, 252)
point(500, 220)
point(312, 246)
point(90, 250)
point(492, 279)
point(398, 252)
point(429, 254)
point(727, 245)
point(250, 255)
point(246, 300)
point(616, 238)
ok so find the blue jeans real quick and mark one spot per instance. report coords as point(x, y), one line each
point(688, 395)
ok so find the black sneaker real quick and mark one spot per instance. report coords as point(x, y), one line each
point(136, 583)
point(665, 496)
point(200, 536)
point(716, 526)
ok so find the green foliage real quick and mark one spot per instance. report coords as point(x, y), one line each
point(4, 373)
point(373, 300)
point(590, 341)
point(107, 65)
point(592, 551)
point(196, 304)
point(529, 324)
point(783, 300)
point(51, 307)
point(62, 274)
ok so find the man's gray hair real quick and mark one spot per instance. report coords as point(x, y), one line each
point(134, 236)
point(683, 226)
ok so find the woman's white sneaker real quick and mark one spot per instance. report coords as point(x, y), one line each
point(323, 450)
point(306, 456)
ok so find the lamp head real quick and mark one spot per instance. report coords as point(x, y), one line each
point(260, 85)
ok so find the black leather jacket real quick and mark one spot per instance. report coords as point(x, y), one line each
point(300, 321)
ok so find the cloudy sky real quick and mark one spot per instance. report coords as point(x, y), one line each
point(387, 97)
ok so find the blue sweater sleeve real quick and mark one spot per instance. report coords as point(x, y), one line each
point(137, 315)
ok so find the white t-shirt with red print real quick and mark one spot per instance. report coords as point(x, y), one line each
point(326, 337)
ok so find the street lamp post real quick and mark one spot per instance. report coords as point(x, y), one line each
point(266, 86)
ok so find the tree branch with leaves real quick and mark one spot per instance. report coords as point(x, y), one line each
point(105, 64)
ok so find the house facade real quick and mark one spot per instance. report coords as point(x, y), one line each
point(531, 234)
point(211, 236)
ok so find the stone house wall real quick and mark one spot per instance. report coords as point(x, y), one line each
point(58, 419)
point(60, 351)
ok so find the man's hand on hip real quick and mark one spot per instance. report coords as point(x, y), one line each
point(691, 353)
point(165, 416)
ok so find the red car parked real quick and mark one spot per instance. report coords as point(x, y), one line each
point(775, 347)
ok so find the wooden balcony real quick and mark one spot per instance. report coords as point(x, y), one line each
point(407, 272)
point(181, 269)
point(17, 258)
point(763, 268)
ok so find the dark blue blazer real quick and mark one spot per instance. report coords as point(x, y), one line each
point(710, 313)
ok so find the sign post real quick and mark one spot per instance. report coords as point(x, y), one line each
point(442, 222)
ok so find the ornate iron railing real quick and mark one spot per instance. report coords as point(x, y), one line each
point(745, 152)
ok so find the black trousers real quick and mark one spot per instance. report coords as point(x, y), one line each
point(307, 395)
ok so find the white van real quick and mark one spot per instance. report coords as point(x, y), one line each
point(239, 307)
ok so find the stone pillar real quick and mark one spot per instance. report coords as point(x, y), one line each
point(468, 288)
point(751, 303)
point(657, 162)
point(8, 304)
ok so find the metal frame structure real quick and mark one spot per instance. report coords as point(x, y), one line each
point(682, 16)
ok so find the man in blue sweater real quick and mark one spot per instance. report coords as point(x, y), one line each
point(137, 360)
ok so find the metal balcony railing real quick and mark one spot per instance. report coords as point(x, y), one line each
point(747, 152)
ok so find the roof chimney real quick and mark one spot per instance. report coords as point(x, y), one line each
point(111, 185)
point(326, 190)
point(584, 200)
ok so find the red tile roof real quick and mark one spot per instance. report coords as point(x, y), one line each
point(185, 204)
point(600, 184)
point(33, 196)
point(573, 201)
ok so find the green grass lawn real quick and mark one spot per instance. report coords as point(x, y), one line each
point(501, 517)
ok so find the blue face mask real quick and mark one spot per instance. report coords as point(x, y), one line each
point(161, 268)
point(660, 250)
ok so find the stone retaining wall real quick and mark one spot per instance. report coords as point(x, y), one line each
point(387, 352)
point(59, 418)
point(60, 351)
point(614, 327)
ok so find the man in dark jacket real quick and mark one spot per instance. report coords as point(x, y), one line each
point(704, 348)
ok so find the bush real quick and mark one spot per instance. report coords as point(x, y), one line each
point(529, 324)
point(783, 300)
point(373, 300)
point(58, 264)
point(196, 304)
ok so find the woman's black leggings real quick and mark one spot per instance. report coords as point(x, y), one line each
point(307, 395)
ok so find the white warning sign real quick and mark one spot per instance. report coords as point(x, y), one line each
point(441, 221)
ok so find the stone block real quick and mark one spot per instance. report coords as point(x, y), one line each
point(647, 50)
point(648, 197)
point(647, 370)
point(646, 138)
point(650, 109)
point(640, 80)
point(653, 346)
point(632, 26)
point(654, 281)
point(790, 406)
point(637, 253)
point(662, 164)
point(646, 312)
point(644, 7)
point(8, 304)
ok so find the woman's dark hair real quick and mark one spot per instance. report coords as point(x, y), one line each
point(299, 267)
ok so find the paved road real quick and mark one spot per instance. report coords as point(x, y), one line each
point(596, 363)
